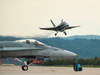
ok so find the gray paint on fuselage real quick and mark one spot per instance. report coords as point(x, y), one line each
point(22, 49)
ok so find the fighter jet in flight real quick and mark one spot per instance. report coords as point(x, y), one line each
point(60, 28)
point(32, 50)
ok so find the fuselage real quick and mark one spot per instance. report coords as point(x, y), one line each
point(62, 27)
point(33, 49)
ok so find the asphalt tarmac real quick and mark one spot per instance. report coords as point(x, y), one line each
point(40, 70)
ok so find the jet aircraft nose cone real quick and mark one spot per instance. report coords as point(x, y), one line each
point(68, 54)
point(75, 55)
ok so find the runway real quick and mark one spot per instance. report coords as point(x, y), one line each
point(40, 70)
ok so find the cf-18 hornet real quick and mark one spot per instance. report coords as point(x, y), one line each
point(60, 28)
point(32, 50)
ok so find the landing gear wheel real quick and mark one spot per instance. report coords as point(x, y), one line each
point(65, 33)
point(24, 67)
point(55, 34)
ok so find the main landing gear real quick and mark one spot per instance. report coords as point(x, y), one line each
point(27, 63)
point(24, 67)
point(57, 33)
point(65, 33)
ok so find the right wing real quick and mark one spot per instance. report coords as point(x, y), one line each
point(51, 28)
point(70, 27)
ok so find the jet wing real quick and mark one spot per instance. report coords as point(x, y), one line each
point(71, 27)
point(51, 28)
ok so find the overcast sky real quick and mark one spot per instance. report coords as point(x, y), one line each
point(24, 17)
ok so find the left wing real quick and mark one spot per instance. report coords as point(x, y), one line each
point(51, 28)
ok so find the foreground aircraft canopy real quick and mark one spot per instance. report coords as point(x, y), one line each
point(61, 27)
point(31, 49)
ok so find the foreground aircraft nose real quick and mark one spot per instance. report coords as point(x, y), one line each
point(68, 54)
point(75, 55)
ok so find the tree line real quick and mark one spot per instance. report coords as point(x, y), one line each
point(65, 62)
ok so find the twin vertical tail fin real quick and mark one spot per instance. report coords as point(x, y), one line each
point(52, 23)
point(62, 21)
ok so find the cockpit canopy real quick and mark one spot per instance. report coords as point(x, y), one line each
point(65, 23)
point(29, 41)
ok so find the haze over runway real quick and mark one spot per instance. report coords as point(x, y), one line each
point(24, 17)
